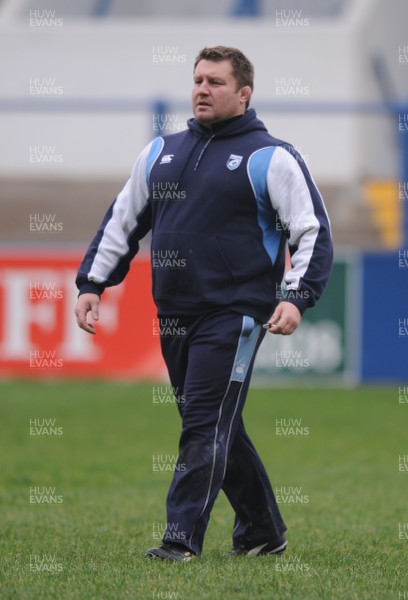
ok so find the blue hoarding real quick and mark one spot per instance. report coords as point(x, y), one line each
point(384, 314)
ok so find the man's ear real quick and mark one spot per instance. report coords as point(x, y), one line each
point(245, 94)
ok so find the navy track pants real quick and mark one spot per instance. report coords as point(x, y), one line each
point(210, 360)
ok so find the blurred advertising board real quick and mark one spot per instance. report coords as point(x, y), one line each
point(39, 337)
point(325, 346)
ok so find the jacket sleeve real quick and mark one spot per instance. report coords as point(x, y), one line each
point(303, 218)
point(107, 260)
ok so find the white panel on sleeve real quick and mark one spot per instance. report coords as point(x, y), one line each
point(129, 205)
point(291, 198)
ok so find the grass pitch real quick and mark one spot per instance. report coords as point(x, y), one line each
point(80, 501)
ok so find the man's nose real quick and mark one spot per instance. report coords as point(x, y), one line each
point(203, 88)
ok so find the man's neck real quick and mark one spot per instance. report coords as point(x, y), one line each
point(217, 125)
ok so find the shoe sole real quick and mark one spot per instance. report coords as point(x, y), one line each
point(257, 551)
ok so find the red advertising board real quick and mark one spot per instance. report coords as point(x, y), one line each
point(39, 337)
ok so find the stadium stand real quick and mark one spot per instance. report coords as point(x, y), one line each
point(341, 122)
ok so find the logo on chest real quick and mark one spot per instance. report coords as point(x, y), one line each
point(234, 161)
point(167, 158)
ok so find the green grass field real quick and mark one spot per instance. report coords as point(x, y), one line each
point(344, 498)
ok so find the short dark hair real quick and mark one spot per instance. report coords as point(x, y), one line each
point(242, 68)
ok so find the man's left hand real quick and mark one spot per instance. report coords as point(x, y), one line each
point(285, 319)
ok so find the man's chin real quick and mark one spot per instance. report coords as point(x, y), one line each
point(205, 122)
point(204, 119)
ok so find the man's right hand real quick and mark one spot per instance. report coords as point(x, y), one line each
point(87, 303)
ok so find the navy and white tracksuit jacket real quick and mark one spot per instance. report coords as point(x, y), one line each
point(221, 205)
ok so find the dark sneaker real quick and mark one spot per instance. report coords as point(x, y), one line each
point(170, 552)
point(276, 547)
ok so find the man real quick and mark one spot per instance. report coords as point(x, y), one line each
point(218, 258)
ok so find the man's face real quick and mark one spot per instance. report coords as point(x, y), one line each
point(215, 95)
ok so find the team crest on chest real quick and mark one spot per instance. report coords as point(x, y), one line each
point(234, 161)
